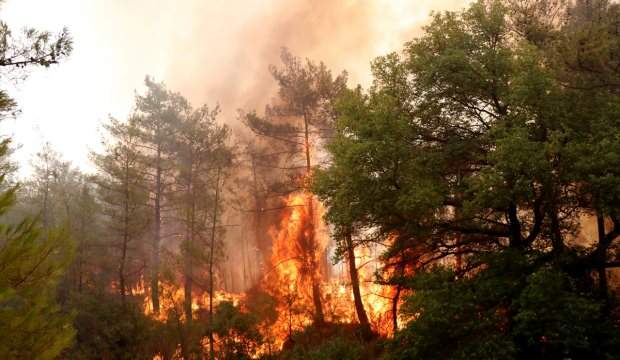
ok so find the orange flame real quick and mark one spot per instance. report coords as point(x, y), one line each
point(290, 283)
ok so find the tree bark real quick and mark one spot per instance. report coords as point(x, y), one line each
point(157, 237)
point(211, 254)
point(355, 283)
point(601, 257)
point(395, 300)
point(257, 218)
point(189, 236)
point(121, 270)
point(319, 318)
point(515, 226)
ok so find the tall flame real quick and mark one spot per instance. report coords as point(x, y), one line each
point(289, 282)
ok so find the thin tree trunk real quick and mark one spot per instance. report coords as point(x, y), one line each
point(601, 258)
point(157, 237)
point(244, 259)
point(395, 301)
point(257, 217)
point(355, 284)
point(121, 271)
point(400, 270)
point(211, 254)
point(515, 226)
point(189, 236)
point(82, 241)
point(311, 243)
point(556, 232)
point(81, 246)
point(45, 200)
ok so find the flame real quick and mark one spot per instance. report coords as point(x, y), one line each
point(286, 279)
point(172, 297)
point(289, 280)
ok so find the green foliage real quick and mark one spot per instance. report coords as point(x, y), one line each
point(467, 314)
point(108, 330)
point(33, 47)
point(32, 325)
point(32, 259)
point(236, 330)
point(508, 310)
point(482, 147)
point(337, 348)
point(331, 341)
point(555, 320)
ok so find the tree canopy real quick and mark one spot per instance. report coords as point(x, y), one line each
point(480, 149)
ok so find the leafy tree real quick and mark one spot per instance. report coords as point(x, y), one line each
point(107, 329)
point(470, 149)
point(549, 317)
point(332, 341)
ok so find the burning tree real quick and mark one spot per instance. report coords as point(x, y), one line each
point(297, 121)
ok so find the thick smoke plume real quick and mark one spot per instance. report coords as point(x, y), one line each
point(219, 51)
point(212, 51)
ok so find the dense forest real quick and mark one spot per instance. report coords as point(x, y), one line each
point(463, 206)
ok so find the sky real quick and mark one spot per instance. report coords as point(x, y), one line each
point(211, 51)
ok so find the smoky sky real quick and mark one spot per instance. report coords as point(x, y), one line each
point(212, 51)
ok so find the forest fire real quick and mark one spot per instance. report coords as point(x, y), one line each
point(288, 280)
point(172, 298)
point(290, 284)
point(462, 202)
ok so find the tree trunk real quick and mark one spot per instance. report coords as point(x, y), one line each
point(244, 284)
point(121, 271)
point(81, 246)
point(355, 284)
point(515, 226)
point(311, 243)
point(395, 300)
point(189, 237)
point(157, 237)
point(601, 257)
point(257, 219)
point(556, 232)
point(211, 254)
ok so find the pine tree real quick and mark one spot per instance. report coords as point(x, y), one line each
point(32, 259)
point(158, 113)
point(203, 156)
point(297, 122)
point(31, 262)
point(124, 198)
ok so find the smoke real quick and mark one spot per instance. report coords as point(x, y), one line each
point(218, 51)
point(212, 51)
